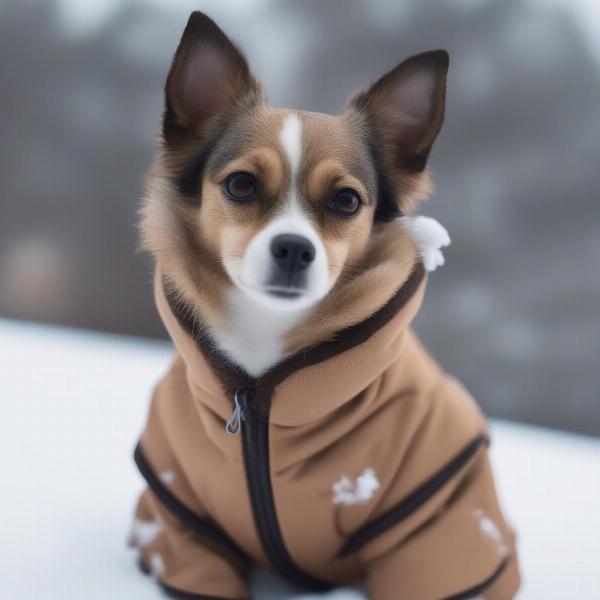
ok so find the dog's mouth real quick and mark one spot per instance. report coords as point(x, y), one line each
point(286, 293)
point(283, 293)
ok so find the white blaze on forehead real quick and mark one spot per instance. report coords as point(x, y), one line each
point(295, 216)
point(290, 137)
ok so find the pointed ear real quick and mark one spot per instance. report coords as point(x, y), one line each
point(207, 77)
point(405, 109)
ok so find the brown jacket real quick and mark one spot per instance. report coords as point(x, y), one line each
point(356, 461)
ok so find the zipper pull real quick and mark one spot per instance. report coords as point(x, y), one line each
point(234, 424)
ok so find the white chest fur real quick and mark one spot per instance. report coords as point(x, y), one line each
point(254, 338)
point(255, 332)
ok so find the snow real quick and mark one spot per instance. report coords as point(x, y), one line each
point(157, 565)
point(167, 477)
point(346, 491)
point(491, 530)
point(430, 236)
point(144, 533)
point(72, 405)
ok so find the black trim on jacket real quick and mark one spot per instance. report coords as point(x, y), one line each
point(415, 500)
point(257, 406)
point(255, 445)
point(234, 377)
point(182, 512)
point(473, 592)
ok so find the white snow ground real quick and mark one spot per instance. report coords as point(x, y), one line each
point(72, 404)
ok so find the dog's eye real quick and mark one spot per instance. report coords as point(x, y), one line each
point(345, 203)
point(240, 187)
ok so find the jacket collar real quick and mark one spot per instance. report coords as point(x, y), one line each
point(306, 385)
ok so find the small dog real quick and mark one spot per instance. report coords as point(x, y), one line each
point(301, 426)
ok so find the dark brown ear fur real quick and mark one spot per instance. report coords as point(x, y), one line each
point(208, 76)
point(404, 112)
point(209, 82)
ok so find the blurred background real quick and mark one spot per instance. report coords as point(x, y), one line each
point(515, 313)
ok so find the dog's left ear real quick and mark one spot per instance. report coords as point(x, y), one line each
point(405, 110)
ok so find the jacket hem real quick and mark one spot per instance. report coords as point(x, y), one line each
point(176, 594)
point(172, 592)
point(476, 590)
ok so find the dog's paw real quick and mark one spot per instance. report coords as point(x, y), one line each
point(430, 236)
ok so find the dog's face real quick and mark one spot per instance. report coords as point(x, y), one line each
point(285, 202)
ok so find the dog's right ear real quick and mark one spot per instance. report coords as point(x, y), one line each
point(208, 76)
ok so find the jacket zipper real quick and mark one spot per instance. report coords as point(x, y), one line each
point(253, 424)
point(234, 423)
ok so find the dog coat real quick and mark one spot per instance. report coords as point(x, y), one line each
point(357, 461)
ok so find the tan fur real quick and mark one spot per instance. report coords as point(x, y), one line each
point(264, 161)
point(169, 230)
point(361, 289)
point(369, 263)
point(196, 240)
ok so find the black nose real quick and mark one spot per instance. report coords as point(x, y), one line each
point(292, 253)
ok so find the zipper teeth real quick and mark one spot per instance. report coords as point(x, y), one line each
point(255, 444)
point(261, 487)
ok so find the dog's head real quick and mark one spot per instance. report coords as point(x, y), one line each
point(282, 204)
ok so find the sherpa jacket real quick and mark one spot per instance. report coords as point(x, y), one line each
point(356, 461)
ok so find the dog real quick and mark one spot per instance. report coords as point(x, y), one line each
point(302, 427)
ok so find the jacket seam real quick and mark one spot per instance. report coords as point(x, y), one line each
point(415, 500)
point(182, 512)
point(476, 590)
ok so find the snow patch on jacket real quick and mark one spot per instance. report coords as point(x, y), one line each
point(144, 533)
point(359, 491)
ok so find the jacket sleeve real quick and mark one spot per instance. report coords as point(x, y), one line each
point(439, 532)
point(184, 564)
point(464, 549)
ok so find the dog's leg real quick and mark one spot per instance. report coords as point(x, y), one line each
point(182, 563)
point(455, 544)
